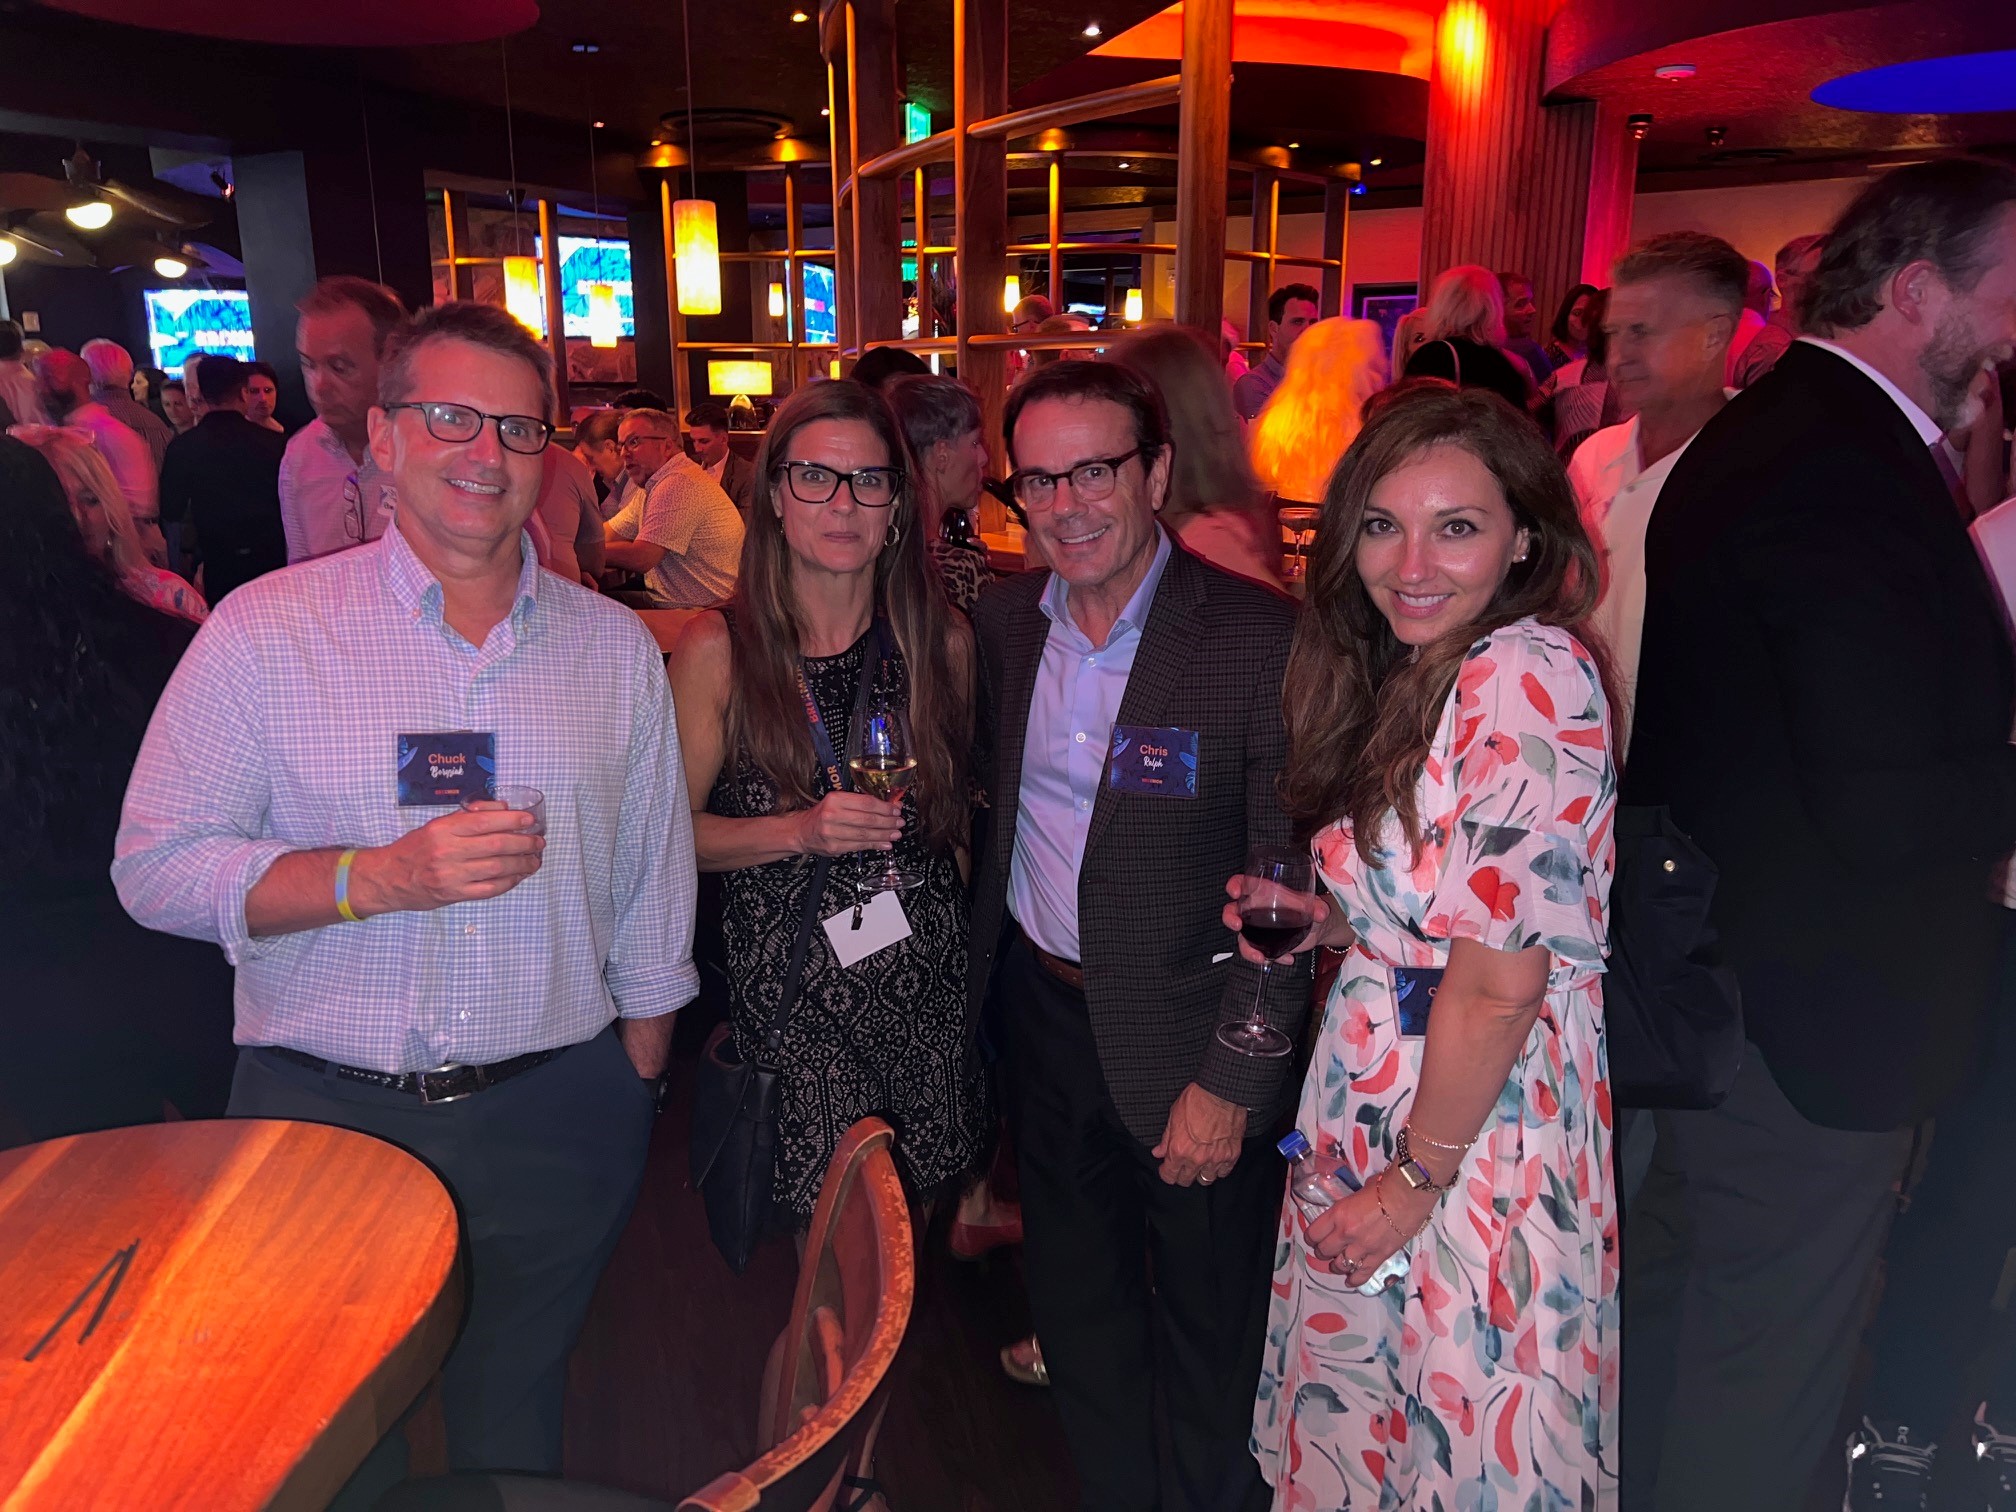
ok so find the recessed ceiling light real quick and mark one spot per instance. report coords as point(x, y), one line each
point(599, 125)
point(1092, 29)
point(585, 46)
point(1673, 73)
point(1377, 161)
point(1293, 145)
point(824, 111)
point(1123, 163)
point(800, 16)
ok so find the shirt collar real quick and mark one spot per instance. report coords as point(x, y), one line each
point(418, 591)
point(671, 465)
point(1927, 428)
point(1135, 615)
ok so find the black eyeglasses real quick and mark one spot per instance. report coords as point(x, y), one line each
point(631, 443)
point(525, 434)
point(814, 483)
point(1090, 481)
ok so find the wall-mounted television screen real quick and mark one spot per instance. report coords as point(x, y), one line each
point(584, 261)
point(821, 323)
point(184, 322)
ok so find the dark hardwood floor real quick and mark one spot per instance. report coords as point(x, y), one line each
point(664, 1383)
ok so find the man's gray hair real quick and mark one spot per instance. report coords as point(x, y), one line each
point(463, 320)
point(1717, 270)
point(110, 363)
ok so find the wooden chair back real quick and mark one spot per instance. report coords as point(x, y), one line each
point(855, 1288)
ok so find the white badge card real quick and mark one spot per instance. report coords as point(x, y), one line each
point(883, 923)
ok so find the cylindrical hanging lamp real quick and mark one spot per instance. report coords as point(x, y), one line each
point(1011, 294)
point(605, 319)
point(1131, 309)
point(522, 296)
point(696, 255)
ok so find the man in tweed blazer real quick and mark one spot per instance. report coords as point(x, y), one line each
point(1099, 955)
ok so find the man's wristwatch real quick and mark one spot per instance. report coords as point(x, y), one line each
point(1412, 1171)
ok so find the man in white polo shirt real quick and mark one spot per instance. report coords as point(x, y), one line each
point(679, 529)
point(1673, 308)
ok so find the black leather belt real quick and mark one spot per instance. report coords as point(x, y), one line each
point(443, 1084)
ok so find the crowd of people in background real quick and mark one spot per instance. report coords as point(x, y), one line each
point(1700, 544)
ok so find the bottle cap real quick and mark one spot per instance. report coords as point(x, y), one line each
point(1292, 1145)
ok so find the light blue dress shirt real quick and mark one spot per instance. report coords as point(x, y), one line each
point(1071, 713)
point(279, 732)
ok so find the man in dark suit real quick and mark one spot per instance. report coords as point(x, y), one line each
point(707, 424)
point(222, 477)
point(1824, 700)
point(1096, 930)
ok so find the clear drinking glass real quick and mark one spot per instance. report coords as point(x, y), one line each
point(883, 760)
point(519, 799)
point(1274, 915)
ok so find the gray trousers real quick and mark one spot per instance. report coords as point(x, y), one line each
point(544, 1169)
point(1750, 1260)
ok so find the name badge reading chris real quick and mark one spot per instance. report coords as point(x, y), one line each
point(1153, 760)
point(446, 768)
point(1414, 989)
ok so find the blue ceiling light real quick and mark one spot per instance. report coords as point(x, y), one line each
point(1930, 86)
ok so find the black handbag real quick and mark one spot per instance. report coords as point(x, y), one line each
point(733, 1152)
point(734, 1146)
point(1673, 1011)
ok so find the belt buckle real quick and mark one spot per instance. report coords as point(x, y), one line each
point(428, 1098)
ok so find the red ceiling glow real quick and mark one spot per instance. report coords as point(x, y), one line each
point(1378, 36)
point(354, 23)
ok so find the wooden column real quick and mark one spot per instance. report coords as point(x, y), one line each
point(1507, 179)
point(980, 199)
point(1336, 245)
point(1613, 179)
point(1203, 144)
point(556, 326)
point(1266, 229)
point(874, 121)
point(837, 95)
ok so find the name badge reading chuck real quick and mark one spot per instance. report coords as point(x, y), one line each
point(446, 768)
point(1149, 759)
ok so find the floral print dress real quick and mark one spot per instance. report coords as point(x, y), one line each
point(1488, 1380)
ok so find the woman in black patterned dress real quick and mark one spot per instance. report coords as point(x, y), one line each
point(834, 544)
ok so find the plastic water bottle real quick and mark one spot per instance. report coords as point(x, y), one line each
point(1318, 1182)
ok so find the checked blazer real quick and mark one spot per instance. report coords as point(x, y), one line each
point(1152, 883)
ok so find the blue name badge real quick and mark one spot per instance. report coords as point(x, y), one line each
point(1414, 989)
point(446, 768)
point(1150, 759)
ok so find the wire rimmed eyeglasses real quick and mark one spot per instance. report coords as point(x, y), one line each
point(525, 434)
point(815, 483)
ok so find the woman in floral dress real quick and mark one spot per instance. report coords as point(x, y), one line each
point(1450, 745)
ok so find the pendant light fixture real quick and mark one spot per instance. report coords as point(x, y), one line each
point(696, 234)
point(1131, 307)
point(523, 299)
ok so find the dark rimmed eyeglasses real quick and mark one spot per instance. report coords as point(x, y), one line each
point(525, 434)
point(1091, 480)
point(813, 483)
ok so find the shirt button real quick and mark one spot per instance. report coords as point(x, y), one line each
point(1081, 737)
point(468, 929)
point(1084, 803)
point(1090, 659)
point(463, 1015)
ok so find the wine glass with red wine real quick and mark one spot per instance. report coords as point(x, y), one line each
point(1275, 913)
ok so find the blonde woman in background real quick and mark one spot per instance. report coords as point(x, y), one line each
point(130, 549)
point(1216, 505)
point(1409, 332)
point(1315, 414)
point(1466, 334)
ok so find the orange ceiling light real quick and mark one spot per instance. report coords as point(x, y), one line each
point(1463, 43)
point(1378, 36)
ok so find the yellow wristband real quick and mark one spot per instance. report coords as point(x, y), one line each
point(343, 886)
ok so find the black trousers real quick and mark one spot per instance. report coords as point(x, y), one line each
point(1947, 1256)
point(1749, 1267)
point(1139, 1289)
point(544, 1170)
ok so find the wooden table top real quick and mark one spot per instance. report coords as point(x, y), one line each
point(213, 1315)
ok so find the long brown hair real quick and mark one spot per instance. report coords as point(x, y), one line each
point(1208, 468)
point(765, 712)
point(1361, 707)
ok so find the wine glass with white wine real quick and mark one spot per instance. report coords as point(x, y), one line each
point(883, 760)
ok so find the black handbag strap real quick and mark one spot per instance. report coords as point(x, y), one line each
point(815, 888)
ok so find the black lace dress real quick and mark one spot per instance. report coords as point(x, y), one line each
point(886, 1036)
